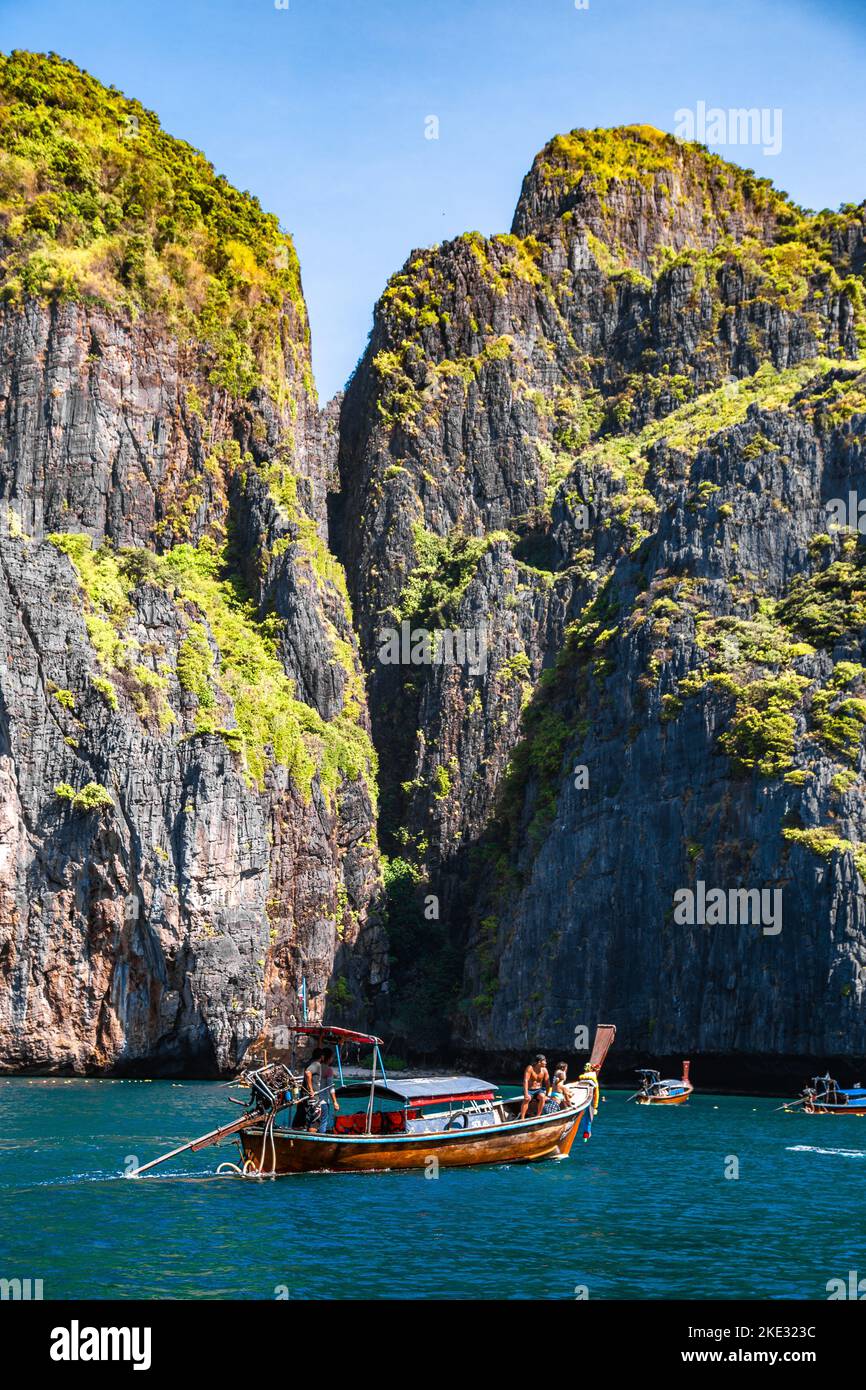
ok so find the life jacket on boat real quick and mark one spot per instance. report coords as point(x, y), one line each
point(383, 1122)
point(590, 1076)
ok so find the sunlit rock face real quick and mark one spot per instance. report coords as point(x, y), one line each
point(562, 601)
point(187, 819)
point(609, 440)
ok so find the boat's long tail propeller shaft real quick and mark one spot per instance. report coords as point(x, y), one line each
point(215, 1136)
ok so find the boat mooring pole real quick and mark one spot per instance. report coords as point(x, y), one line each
point(369, 1128)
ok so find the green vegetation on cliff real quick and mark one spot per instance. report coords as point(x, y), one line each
point(443, 570)
point(92, 797)
point(823, 841)
point(603, 155)
point(97, 202)
point(764, 664)
point(831, 604)
point(642, 154)
point(228, 661)
point(108, 618)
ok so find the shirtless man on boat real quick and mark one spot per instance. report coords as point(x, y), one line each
point(536, 1080)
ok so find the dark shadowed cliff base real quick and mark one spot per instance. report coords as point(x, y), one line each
point(723, 1074)
point(615, 454)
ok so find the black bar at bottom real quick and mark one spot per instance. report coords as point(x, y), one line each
point(210, 1337)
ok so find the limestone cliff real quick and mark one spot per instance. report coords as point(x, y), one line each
point(608, 440)
point(612, 452)
point(188, 783)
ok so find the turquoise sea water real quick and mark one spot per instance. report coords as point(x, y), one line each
point(643, 1210)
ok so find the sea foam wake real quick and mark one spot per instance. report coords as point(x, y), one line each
point(839, 1153)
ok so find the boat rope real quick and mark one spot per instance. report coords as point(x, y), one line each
point(267, 1134)
point(273, 1143)
point(249, 1169)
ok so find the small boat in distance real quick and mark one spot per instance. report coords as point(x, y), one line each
point(654, 1091)
point(452, 1121)
point(824, 1096)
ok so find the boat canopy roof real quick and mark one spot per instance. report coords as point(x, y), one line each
point(335, 1035)
point(421, 1089)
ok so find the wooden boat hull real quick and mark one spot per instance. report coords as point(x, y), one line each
point(834, 1109)
point(665, 1100)
point(512, 1142)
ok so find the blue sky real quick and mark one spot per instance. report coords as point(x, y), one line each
point(320, 108)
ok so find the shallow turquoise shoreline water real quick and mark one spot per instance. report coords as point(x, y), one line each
point(642, 1211)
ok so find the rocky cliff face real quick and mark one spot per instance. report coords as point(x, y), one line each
point(608, 441)
point(188, 784)
point(582, 536)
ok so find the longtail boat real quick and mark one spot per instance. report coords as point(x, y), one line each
point(654, 1091)
point(380, 1124)
point(824, 1096)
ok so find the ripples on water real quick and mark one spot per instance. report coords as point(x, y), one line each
point(644, 1210)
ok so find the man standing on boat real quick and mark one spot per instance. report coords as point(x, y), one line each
point(314, 1110)
point(536, 1080)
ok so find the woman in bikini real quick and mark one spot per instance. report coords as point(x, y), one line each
point(557, 1097)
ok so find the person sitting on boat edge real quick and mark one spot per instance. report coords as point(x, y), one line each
point(536, 1080)
point(588, 1077)
point(314, 1108)
point(557, 1097)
